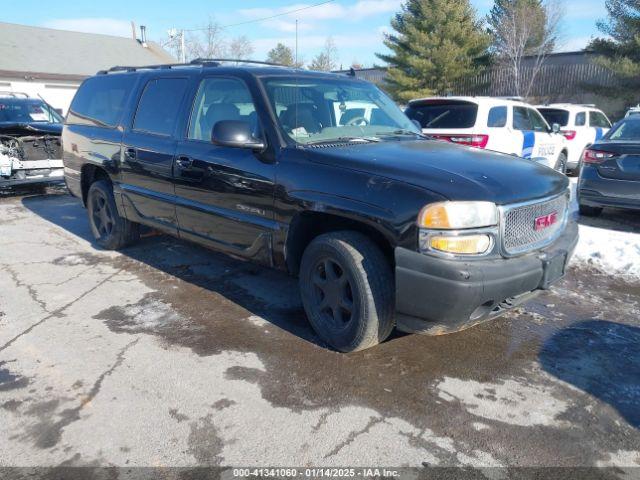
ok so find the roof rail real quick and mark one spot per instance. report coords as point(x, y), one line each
point(9, 93)
point(218, 61)
point(198, 62)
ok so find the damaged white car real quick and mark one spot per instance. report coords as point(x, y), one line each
point(30, 148)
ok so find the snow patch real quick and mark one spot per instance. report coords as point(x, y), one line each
point(608, 250)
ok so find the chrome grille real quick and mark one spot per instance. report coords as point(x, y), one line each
point(518, 224)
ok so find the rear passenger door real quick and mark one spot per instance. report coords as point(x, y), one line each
point(224, 195)
point(149, 147)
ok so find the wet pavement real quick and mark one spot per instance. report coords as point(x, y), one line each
point(167, 354)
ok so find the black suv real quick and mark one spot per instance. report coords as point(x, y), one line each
point(323, 176)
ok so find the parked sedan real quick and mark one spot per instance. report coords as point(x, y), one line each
point(610, 174)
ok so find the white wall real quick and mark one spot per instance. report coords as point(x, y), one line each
point(57, 93)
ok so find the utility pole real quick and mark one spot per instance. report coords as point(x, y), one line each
point(296, 65)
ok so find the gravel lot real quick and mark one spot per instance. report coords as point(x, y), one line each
point(167, 354)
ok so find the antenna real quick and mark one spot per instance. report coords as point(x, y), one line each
point(296, 65)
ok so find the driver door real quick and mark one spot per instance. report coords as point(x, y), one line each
point(224, 195)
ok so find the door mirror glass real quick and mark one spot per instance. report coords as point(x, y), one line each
point(236, 134)
point(555, 128)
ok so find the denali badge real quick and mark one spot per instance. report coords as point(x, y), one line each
point(545, 221)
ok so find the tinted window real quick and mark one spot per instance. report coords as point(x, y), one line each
point(497, 117)
point(521, 119)
point(539, 125)
point(555, 115)
point(626, 130)
point(444, 114)
point(221, 99)
point(101, 100)
point(158, 107)
point(597, 119)
point(581, 119)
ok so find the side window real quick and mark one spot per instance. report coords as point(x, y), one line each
point(538, 123)
point(521, 119)
point(221, 99)
point(101, 100)
point(581, 119)
point(159, 104)
point(597, 119)
point(497, 117)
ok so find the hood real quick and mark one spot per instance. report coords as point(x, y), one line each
point(453, 171)
point(24, 129)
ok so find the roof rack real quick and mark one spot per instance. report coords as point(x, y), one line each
point(198, 62)
point(218, 61)
point(8, 93)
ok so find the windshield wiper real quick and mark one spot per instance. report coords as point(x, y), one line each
point(344, 140)
point(402, 131)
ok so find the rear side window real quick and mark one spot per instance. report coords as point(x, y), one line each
point(597, 119)
point(444, 114)
point(521, 119)
point(581, 119)
point(497, 117)
point(159, 104)
point(101, 100)
point(555, 115)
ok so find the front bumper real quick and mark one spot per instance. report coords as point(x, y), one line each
point(597, 191)
point(438, 295)
point(54, 175)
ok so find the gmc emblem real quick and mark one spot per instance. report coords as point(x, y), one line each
point(545, 221)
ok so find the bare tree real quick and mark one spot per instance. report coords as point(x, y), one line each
point(209, 42)
point(240, 47)
point(526, 29)
point(326, 60)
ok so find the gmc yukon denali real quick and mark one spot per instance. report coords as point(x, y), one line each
point(323, 176)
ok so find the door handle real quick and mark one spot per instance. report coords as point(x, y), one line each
point(184, 163)
point(130, 153)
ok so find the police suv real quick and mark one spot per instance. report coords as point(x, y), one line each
point(503, 125)
point(581, 125)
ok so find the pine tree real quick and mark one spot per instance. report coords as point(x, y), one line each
point(281, 54)
point(620, 53)
point(435, 43)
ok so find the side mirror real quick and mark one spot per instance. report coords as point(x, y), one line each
point(235, 134)
point(555, 128)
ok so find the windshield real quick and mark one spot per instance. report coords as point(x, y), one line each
point(27, 111)
point(555, 115)
point(627, 130)
point(311, 110)
point(444, 114)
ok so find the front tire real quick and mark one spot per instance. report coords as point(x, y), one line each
point(347, 290)
point(561, 164)
point(109, 229)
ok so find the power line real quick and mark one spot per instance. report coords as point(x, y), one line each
point(289, 12)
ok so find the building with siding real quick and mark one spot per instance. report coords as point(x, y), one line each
point(52, 63)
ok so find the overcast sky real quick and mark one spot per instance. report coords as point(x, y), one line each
point(357, 26)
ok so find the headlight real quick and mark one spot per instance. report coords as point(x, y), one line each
point(458, 215)
point(456, 244)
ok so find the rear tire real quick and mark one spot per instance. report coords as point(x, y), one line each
point(347, 290)
point(589, 211)
point(109, 229)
